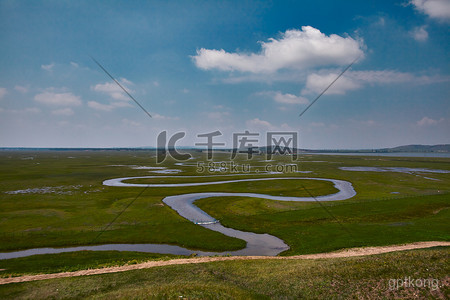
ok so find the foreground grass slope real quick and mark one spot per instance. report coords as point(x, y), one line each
point(74, 261)
point(369, 277)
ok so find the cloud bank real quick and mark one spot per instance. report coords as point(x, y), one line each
point(50, 97)
point(420, 34)
point(353, 80)
point(113, 90)
point(436, 9)
point(296, 49)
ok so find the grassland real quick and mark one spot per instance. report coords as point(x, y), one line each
point(308, 228)
point(345, 278)
point(74, 261)
point(66, 204)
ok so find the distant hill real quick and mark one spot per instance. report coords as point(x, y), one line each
point(444, 148)
point(420, 148)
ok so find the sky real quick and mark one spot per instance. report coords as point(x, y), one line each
point(231, 66)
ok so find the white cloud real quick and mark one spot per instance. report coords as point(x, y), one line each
point(161, 117)
point(121, 104)
point(420, 34)
point(74, 64)
point(279, 97)
point(130, 122)
point(385, 76)
point(99, 106)
point(289, 98)
point(425, 121)
point(218, 116)
point(353, 80)
point(63, 112)
point(381, 21)
point(107, 107)
point(50, 97)
point(3, 92)
point(316, 83)
point(21, 89)
point(113, 90)
point(296, 49)
point(259, 124)
point(262, 127)
point(437, 9)
point(48, 67)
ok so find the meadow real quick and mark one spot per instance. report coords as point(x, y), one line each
point(56, 199)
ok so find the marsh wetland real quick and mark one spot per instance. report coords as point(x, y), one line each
point(65, 199)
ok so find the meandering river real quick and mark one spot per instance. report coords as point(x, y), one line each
point(257, 244)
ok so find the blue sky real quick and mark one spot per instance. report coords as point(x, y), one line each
point(201, 66)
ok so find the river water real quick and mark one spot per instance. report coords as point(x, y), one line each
point(257, 244)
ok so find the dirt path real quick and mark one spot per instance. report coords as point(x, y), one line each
point(343, 253)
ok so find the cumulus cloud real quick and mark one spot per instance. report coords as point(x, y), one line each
point(48, 67)
point(21, 89)
point(3, 92)
point(289, 99)
point(63, 112)
point(279, 97)
point(217, 115)
point(130, 122)
point(296, 49)
point(161, 117)
point(50, 97)
point(420, 34)
point(381, 21)
point(353, 80)
point(384, 76)
point(113, 90)
point(107, 107)
point(99, 106)
point(316, 83)
point(425, 121)
point(436, 9)
point(259, 124)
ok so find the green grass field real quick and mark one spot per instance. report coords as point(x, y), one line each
point(65, 204)
point(371, 277)
point(74, 261)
